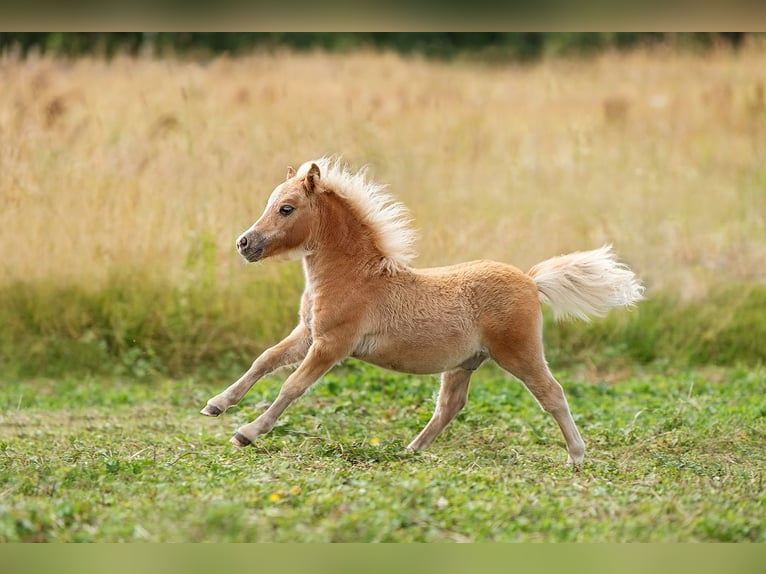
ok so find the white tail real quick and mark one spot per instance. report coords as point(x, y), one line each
point(586, 283)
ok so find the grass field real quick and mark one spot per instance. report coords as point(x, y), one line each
point(123, 306)
point(670, 458)
point(124, 184)
point(142, 163)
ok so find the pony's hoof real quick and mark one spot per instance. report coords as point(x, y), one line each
point(211, 411)
point(240, 440)
point(575, 463)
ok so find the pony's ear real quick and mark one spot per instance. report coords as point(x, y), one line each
point(312, 178)
point(290, 172)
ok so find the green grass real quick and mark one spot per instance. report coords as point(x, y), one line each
point(140, 326)
point(671, 457)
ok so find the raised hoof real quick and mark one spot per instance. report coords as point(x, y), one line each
point(211, 411)
point(240, 440)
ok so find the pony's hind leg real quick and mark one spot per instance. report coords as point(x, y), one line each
point(288, 351)
point(549, 393)
point(524, 359)
point(453, 394)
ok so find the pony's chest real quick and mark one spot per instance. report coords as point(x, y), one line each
point(334, 310)
point(307, 310)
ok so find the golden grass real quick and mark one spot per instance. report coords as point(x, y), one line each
point(128, 164)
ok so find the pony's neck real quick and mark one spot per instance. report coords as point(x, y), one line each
point(343, 244)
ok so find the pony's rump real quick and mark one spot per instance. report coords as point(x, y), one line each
point(586, 283)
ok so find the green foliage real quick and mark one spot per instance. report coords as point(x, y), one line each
point(726, 328)
point(676, 457)
point(140, 326)
point(507, 45)
point(137, 325)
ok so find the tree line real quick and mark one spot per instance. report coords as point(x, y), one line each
point(500, 45)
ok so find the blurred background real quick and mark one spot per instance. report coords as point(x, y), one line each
point(129, 162)
point(502, 45)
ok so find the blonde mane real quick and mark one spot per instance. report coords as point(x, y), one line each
point(389, 219)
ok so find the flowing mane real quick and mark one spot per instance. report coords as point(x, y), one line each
point(389, 219)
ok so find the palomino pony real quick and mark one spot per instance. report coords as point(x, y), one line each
point(363, 299)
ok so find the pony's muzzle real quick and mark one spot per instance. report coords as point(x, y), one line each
point(250, 245)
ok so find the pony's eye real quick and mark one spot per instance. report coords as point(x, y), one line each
point(286, 210)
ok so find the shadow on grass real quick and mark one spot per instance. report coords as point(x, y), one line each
point(353, 452)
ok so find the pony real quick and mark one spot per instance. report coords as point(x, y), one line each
point(364, 299)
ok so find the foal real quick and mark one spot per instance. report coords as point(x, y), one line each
point(362, 299)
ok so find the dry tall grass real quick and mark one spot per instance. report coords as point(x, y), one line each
point(106, 166)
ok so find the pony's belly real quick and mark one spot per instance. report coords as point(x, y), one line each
point(411, 367)
point(415, 359)
point(406, 366)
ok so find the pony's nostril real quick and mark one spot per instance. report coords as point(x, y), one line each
point(242, 242)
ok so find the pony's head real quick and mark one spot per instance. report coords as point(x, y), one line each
point(285, 226)
point(292, 225)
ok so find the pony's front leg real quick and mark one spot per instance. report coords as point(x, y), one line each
point(320, 359)
point(287, 352)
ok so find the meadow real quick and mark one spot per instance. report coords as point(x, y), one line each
point(124, 305)
point(670, 458)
